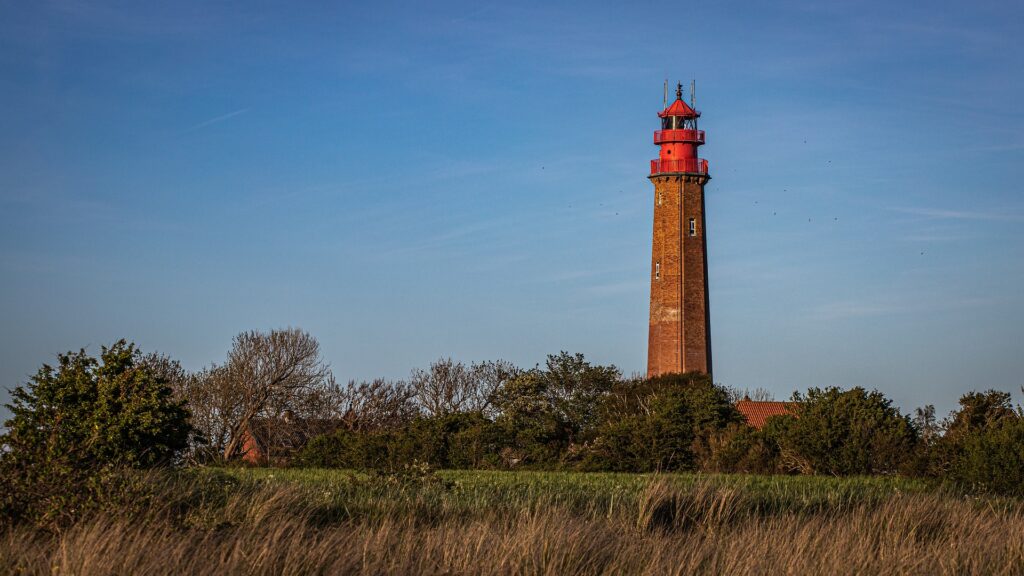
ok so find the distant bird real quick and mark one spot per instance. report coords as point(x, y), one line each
point(808, 219)
point(774, 213)
point(835, 219)
point(922, 253)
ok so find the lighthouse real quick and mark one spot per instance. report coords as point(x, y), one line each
point(680, 336)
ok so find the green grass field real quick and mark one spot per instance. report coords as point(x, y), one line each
point(309, 521)
point(577, 490)
point(460, 495)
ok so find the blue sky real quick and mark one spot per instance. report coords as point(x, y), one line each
point(410, 180)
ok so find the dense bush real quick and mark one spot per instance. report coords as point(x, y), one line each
point(659, 423)
point(843, 432)
point(983, 446)
point(76, 426)
point(572, 415)
point(456, 440)
point(685, 422)
point(740, 448)
point(992, 459)
point(546, 412)
point(541, 422)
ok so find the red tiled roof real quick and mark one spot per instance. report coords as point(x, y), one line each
point(757, 413)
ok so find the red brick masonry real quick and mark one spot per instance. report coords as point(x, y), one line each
point(680, 335)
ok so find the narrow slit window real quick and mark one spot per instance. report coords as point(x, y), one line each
point(657, 270)
point(693, 227)
point(659, 198)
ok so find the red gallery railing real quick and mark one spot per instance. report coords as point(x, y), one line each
point(679, 135)
point(691, 165)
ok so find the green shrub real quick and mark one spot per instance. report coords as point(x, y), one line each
point(740, 448)
point(843, 432)
point(547, 412)
point(76, 426)
point(457, 440)
point(983, 447)
point(992, 459)
point(659, 423)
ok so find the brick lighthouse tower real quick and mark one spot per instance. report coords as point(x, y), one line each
point(680, 335)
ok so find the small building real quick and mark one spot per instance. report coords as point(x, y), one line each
point(274, 440)
point(758, 412)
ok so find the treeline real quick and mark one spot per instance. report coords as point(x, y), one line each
point(87, 415)
point(570, 415)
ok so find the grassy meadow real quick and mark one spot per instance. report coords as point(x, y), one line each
point(307, 521)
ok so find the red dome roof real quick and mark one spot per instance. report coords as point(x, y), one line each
point(679, 108)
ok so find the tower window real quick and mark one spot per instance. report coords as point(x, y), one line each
point(659, 198)
point(693, 227)
point(657, 270)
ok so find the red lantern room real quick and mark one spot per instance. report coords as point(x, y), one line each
point(679, 139)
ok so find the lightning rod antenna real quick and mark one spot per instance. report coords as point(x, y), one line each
point(664, 100)
point(693, 93)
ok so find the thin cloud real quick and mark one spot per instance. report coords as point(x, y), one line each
point(942, 214)
point(849, 309)
point(935, 238)
point(216, 120)
point(615, 288)
point(853, 309)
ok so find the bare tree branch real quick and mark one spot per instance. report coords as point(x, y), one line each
point(374, 405)
point(448, 386)
point(267, 374)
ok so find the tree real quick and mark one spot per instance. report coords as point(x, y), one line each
point(757, 394)
point(94, 413)
point(532, 429)
point(928, 428)
point(843, 432)
point(983, 447)
point(375, 405)
point(657, 423)
point(544, 411)
point(992, 459)
point(979, 411)
point(212, 399)
point(444, 388)
point(447, 387)
point(490, 376)
point(265, 376)
point(575, 389)
point(85, 418)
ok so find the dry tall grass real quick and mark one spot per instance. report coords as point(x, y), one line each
point(268, 528)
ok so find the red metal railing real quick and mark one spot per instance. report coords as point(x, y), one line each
point(679, 136)
point(692, 165)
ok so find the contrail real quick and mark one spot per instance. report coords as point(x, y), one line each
point(213, 121)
